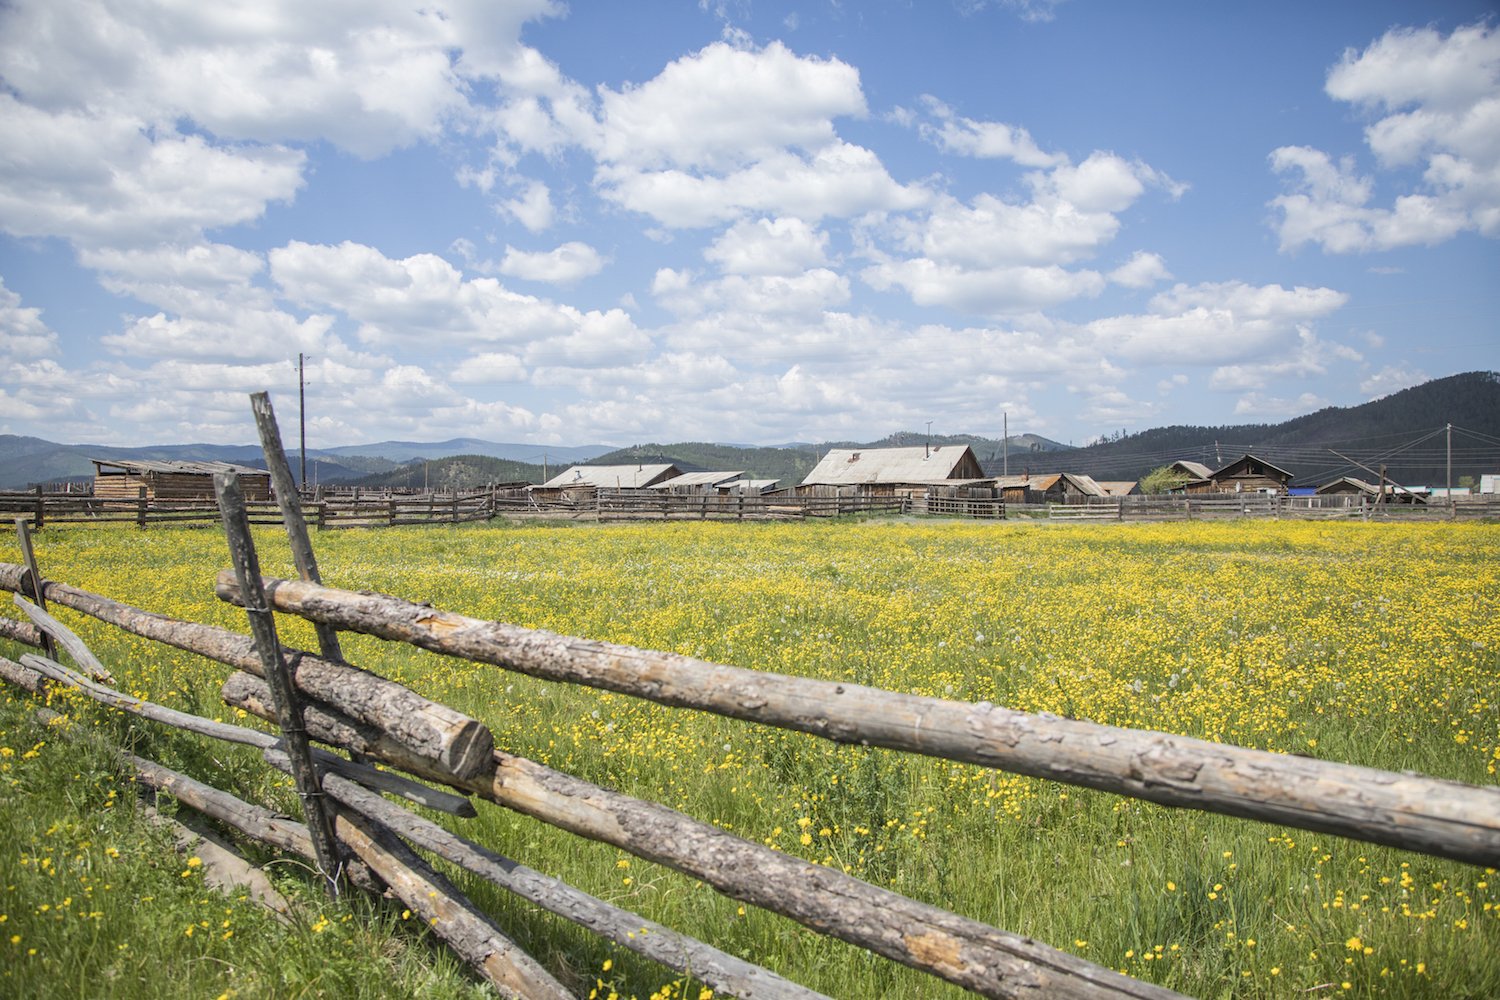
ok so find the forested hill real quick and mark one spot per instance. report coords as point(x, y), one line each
point(1387, 430)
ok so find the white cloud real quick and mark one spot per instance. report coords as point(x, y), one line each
point(1392, 378)
point(532, 209)
point(423, 300)
point(839, 180)
point(565, 265)
point(1441, 102)
point(1142, 270)
point(1219, 323)
point(989, 292)
point(1308, 358)
point(995, 140)
point(1260, 405)
point(807, 294)
point(782, 246)
point(723, 108)
point(22, 332)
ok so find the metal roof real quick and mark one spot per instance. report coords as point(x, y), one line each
point(751, 484)
point(1195, 469)
point(180, 467)
point(697, 479)
point(1250, 458)
point(624, 476)
point(841, 467)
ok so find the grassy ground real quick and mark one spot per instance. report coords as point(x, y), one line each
point(1372, 644)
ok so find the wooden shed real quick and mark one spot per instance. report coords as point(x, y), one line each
point(172, 480)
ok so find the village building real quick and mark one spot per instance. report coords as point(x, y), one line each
point(1053, 487)
point(1120, 488)
point(624, 477)
point(885, 471)
point(1349, 486)
point(696, 482)
point(173, 480)
point(1246, 474)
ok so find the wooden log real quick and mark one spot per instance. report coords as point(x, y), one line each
point(449, 914)
point(23, 632)
point(64, 637)
point(43, 668)
point(23, 677)
point(460, 743)
point(724, 972)
point(1409, 811)
point(984, 959)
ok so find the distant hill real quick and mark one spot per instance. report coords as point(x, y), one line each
point(1381, 431)
point(450, 471)
point(403, 452)
point(26, 460)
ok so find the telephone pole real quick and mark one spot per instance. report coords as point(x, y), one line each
point(302, 419)
point(1006, 432)
point(1452, 510)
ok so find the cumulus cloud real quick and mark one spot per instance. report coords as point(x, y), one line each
point(1309, 357)
point(22, 332)
point(1439, 101)
point(1142, 270)
point(422, 299)
point(997, 257)
point(1221, 323)
point(566, 265)
point(996, 140)
point(1392, 378)
point(765, 246)
point(1258, 404)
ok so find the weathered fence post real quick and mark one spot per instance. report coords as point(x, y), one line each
point(41, 508)
point(290, 502)
point(24, 537)
point(283, 694)
point(140, 508)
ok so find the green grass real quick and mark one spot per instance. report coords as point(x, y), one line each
point(1369, 644)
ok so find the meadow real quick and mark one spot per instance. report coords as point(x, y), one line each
point(1370, 644)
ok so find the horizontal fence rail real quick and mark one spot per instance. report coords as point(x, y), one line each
point(1432, 816)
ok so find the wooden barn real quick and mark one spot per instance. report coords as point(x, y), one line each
point(882, 471)
point(1052, 487)
point(582, 480)
point(696, 482)
point(122, 479)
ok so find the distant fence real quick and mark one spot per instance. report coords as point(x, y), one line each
point(368, 508)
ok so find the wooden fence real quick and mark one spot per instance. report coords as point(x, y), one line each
point(321, 697)
point(351, 709)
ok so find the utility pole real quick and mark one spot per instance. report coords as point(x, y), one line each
point(929, 439)
point(1006, 418)
point(302, 418)
point(1452, 510)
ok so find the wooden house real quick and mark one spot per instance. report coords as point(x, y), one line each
point(1052, 487)
point(1247, 474)
point(884, 471)
point(1349, 486)
point(123, 479)
point(1120, 488)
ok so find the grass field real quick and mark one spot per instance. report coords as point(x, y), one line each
point(1370, 644)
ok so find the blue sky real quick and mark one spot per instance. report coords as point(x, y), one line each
point(751, 222)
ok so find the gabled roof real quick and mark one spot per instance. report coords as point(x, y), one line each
point(1118, 488)
point(697, 479)
point(1044, 481)
point(1347, 483)
point(841, 467)
point(1195, 469)
point(173, 466)
point(623, 476)
point(1250, 458)
point(1085, 485)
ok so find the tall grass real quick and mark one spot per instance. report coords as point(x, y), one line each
point(1369, 644)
